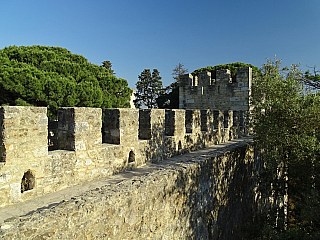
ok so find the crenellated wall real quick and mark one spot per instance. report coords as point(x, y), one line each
point(207, 194)
point(38, 157)
point(206, 91)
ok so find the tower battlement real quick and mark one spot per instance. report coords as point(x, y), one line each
point(216, 91)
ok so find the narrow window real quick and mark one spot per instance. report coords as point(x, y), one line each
point(27, 182)
point(132, 156)
point(179, 146)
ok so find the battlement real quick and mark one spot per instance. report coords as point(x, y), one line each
point(216, 92)
point(38, 157)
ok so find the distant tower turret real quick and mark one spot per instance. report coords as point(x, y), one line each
point(205, 91)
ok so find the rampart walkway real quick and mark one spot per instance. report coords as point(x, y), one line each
point(52, 199)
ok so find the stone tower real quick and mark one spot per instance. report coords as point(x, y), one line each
point(206, 91)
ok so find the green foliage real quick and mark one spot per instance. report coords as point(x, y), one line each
point(312, 80)
point(54, 77)
point(231, 66)
point(285, 121)
point(286, 126)
point(149, 87)
point(170, 99)
point(108, 65)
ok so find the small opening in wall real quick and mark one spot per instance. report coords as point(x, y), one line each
point(27, 182)
point(179, 146)
point(212, 81)
point(195, 81)
point(132, 156)
point(2, 157)
point(53, 135)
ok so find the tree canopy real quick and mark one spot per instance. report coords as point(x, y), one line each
point(286, 124)
point(311, 80)
point(54, 77)
point(178, 71)
point(149, 87)
point(231, 66)
point(108, 65)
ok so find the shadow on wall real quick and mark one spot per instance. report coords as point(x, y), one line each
point(218, 199)
point(82, 147)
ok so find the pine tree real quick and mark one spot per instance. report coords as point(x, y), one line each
point(108, 65)
point(170, 99)
point(178, 71)
point(149, 87)
point(54, 77)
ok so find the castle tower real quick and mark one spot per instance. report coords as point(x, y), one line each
point(206, 91)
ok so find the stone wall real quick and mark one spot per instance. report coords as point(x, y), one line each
point(203, 195)
point(219, 92)
point(82, 148)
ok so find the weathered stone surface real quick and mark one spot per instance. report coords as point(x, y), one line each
point(218, 92)
point(23, 148)
point(79, 153)
point(203, 195)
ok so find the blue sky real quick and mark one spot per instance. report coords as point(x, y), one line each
point(139, 34)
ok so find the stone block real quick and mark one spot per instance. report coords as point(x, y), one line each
point(234, 99)
point(239, 93)
point(245, 89)
point(22, 126)
point(175, 122)
point(236, 118)
point(186, 80)
point(218, 119)
point(228, 119)
point(207, 120)
point(121, 126)
point(151, 123)
point(193, 121)
point(204, 78)
point(79, 128)
point(236, 108)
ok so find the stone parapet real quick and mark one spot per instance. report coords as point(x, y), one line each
point(79, 128)
point(175, 122)
point(121, 126)
point(209, 194)
point(193, 121)
point(24, 150)
point(82, 148)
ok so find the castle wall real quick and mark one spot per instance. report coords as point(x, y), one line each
point(83, 148)
point(23, 148)
point(204, 195)
point(219, 92)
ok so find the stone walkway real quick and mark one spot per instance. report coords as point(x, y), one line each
point(51, 199)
